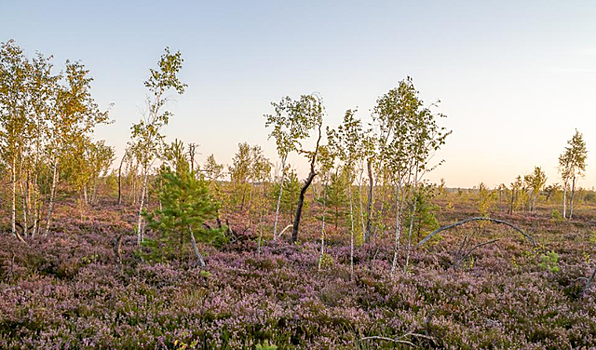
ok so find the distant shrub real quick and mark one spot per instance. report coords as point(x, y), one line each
point(556, 215)
point(326, 261)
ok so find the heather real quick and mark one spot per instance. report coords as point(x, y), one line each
point(353, 248)
point(67, 290)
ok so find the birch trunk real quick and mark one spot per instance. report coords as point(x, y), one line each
point(413, 212)
point(281, 188)
point(565, 200)
point(142, 203)
point(120, 180)
point(52, 195)
point(571, 199)
point(13, 221)
point(323, 221)
point(397, 228)
point(360, 201)
point(351, 231)
point(368, 232)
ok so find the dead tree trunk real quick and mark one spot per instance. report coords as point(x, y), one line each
point(195, 248)
point(307, 183)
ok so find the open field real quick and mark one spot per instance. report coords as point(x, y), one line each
point(67, 290)
point(268, 175)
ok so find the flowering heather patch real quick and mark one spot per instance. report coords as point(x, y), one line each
point(68, 291)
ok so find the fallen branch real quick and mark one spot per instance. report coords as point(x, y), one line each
point(589, 283)
point(399, 340)
point(18, 236)
point(284, 230)
point(476, 218)
point(467, 254)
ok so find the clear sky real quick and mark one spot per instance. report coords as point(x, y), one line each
point(515, 77)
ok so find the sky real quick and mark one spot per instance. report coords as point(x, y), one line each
point(515, 78)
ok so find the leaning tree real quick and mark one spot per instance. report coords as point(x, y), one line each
point(292, 123)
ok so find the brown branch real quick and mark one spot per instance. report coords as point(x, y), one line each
point(476, 218)
point(589, 283)
point(467, 254)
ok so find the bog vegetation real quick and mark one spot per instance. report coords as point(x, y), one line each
point(156, 250)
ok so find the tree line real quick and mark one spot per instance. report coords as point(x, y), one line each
point(361, 174)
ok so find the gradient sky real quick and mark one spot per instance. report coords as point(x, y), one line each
point(515, 77)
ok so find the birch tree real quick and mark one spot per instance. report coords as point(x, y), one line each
point(146, 135)
point(535, 183)
point(572, 165)
point(326, 162)
point(13, 115)
point(409, 137)
point(347, 144)
point(77, 114)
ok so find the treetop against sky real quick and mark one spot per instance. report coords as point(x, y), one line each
point(515, 79)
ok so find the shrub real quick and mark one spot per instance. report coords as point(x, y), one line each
point(550, 261)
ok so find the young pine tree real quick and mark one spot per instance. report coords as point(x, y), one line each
point(186, 206)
